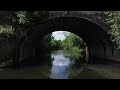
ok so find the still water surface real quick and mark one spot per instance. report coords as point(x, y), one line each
point(59, 65)
point(70, 65)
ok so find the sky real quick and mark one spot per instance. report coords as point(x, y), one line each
point(58, 35)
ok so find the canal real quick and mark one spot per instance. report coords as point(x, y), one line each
point(60, 64)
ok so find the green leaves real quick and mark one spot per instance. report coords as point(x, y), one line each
point(55, 44)
point(73, 42)
point(6, 31)
point(113, 19)
point(23, 17)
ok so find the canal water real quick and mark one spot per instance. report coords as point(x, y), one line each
point(64, 64)
point(59, 64)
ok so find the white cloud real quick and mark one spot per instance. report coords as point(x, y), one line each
point(58, 35)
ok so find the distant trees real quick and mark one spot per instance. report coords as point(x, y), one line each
point(55, 44)
point(73, 42)
point(48, 43)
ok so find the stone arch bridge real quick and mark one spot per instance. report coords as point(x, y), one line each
point(89, 25)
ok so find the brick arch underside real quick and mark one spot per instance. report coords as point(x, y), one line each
point(94, 35)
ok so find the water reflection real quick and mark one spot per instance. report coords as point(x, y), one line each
point(58, 65)
point(63, 63)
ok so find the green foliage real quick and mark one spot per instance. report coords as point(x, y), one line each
point(49, 44)
point(55, 44)
point(77, 49)
point(30, 17)
point(23, 17)
point(113, 20)
point(77, 63)
point(22, 20)
point(6, 31)
point(73, 42)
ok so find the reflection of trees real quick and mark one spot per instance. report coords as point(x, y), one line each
point(73, 72)
point(77, 62)
point(75, 67)
point(54, 53)
point(66, 54)
point(75, 57)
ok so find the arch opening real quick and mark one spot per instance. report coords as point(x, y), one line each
point(95, 36)
point(62, 40)
point(64, 54)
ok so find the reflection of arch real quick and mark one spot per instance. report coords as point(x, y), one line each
point(90, 31)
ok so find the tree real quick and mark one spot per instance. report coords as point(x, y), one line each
point(73, 42)
point(113, 20)
point(55, 44)
point(28, 17)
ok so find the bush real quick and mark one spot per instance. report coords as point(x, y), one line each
point(77, 49)
point(6, 31)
